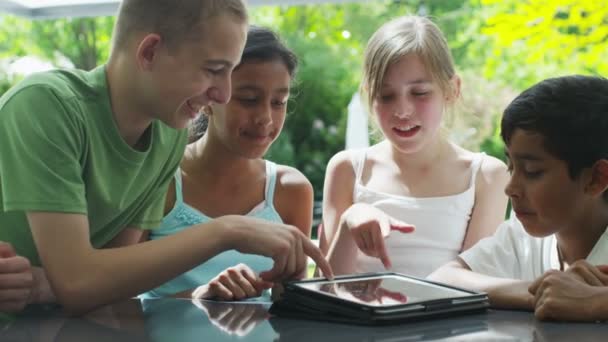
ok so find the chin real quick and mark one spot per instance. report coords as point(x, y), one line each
point(537, 231)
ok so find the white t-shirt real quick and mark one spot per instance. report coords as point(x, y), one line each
point(513, 253)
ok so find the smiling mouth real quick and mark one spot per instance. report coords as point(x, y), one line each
point(194, 110)
point(407, 130)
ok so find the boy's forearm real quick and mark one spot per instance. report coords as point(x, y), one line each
point(87, 278)
point(503, 293)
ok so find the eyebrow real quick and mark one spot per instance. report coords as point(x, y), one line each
point(254, 88)
point(414, 82)
point(523, 156)
point(221, 62)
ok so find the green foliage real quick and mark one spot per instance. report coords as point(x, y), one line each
point(526, 41)
point(85, 42)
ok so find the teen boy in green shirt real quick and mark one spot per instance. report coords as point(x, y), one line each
point(86, 157)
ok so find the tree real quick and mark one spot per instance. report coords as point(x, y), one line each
point(535, 39)
point(85, 42)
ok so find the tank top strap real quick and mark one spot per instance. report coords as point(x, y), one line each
point(179, 196)
point(476, 165)
point(271, 180)
point(357, 158)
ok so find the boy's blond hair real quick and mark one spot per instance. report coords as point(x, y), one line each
point(174, 20)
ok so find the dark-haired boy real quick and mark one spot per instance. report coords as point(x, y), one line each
point(557, 146)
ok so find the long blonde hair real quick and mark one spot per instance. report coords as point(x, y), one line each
point(400, 37)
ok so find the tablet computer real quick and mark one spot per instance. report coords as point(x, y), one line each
point(375, 298)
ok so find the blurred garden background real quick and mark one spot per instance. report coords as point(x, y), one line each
point(500, 48)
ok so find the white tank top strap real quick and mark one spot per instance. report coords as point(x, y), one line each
point(475, 166)
point(357, 158)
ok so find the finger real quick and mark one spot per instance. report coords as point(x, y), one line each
point(603, 268)
point(257, 283)
point(599, 274)
point(301, 262)
point(239, 279)
point(533, 288)
point(219, 291)
point(380, 249)
point(12, 306)
point(15, 264)
point(359, 240)
point(14, 295)
point(274, 274)
point(317, 256)
point(16, 280)
point(587, 275)
point(6, 250)
point(292, 264)
point(228, 282)
point(405, 229)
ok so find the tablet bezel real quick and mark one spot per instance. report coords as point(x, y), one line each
point(440, 304)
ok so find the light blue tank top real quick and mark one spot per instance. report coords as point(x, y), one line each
point(183, 216)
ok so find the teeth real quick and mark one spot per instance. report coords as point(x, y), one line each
point(406, 128)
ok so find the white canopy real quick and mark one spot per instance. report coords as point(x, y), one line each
point(46, 9)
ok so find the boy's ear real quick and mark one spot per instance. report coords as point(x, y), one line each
point(147, 50)
point(598, 182)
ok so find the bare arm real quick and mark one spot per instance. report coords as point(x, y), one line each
point(490, 201)
point(337, 198)
point(83, 277)
point(503, 293)
point(294, 202)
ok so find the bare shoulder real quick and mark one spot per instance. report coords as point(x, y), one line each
point(291, 179)
point(340, 165)
point(493, 169)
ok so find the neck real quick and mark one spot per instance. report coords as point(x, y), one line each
point(423, 159)
point(206, 157)
point(128, 113)
point(575, 243)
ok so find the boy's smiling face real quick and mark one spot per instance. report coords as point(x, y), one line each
point(544, 197)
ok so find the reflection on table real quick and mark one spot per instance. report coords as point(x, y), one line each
point(185, 320)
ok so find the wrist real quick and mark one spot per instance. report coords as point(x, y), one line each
point(598, 310)
point(228, 232)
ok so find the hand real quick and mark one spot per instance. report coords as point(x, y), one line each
point(565, 296)
point(285, 244)
point(234, 319)
point(592, 275)
point(369, 226)
point(234, 283)
point(16, 280)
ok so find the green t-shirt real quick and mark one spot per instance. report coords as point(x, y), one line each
point(60, 151)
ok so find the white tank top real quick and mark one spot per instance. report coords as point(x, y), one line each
point(441, 224)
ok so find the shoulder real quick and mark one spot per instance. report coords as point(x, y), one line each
point(492, 167)
point(341, 164)
point(492, 174)
point(292, 182)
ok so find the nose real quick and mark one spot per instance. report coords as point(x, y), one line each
point(404, 108)
point(513, 189)
point(264, 115)
point(221, 90)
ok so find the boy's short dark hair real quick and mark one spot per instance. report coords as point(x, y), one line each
point(175, 20)
point(570, 112)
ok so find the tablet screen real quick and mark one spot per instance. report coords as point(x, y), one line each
point(384, 290)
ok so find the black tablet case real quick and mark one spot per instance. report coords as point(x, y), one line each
point(297, 302)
